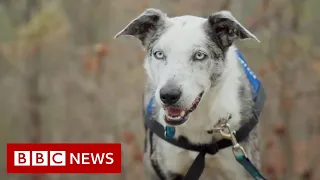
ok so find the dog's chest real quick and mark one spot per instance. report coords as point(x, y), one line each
point(219, 166)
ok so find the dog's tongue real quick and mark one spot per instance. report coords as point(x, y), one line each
point(174, 111)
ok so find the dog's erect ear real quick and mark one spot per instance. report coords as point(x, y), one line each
point(145, 25)
point(227, 29)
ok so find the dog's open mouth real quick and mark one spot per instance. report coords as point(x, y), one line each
point(176, 116)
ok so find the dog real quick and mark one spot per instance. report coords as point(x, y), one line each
point(195, 77)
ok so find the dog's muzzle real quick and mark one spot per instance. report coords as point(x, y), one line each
point(176, 116)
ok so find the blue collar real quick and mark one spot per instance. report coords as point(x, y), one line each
point(254, 81)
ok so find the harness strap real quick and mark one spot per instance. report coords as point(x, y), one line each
point(153, 162)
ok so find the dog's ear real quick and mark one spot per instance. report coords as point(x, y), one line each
point(227, 29)
point(145, 25)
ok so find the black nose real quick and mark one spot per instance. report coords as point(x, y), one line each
point(170, 94)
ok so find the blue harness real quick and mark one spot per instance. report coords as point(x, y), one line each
point(196, 169)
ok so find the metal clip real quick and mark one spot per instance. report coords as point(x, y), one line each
point(237, 148)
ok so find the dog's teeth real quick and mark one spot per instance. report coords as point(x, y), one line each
point(174, 118)
point(182, 113)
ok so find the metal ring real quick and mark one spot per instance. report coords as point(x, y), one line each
point(237, 147)
point(227, 135)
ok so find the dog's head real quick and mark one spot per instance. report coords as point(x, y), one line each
point(185, 55)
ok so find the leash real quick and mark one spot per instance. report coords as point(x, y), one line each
point(231, 138)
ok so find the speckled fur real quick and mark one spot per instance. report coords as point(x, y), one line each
point(227, 90)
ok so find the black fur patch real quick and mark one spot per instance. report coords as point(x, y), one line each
point(146, 25)
point(224, 30)
point(213, 37)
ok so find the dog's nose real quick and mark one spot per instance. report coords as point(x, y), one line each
point(170, 94)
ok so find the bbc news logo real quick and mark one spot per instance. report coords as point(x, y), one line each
point(63, 158)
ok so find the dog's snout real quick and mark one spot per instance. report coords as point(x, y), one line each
point(170, 94)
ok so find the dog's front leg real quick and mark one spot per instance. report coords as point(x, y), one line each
point(176, 160)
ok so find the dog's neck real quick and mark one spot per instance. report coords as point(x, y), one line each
point(216, 103)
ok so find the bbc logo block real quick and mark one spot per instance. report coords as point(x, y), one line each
point(58, 158)
point(22, 158)
point(63, 158)
point(39, 158)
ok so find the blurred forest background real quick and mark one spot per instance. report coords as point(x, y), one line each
point(63, 78)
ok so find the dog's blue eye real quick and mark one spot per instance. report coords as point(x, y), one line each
point(198, 56)
point(158, 55)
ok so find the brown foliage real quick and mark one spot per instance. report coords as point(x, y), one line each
point(76, 84)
